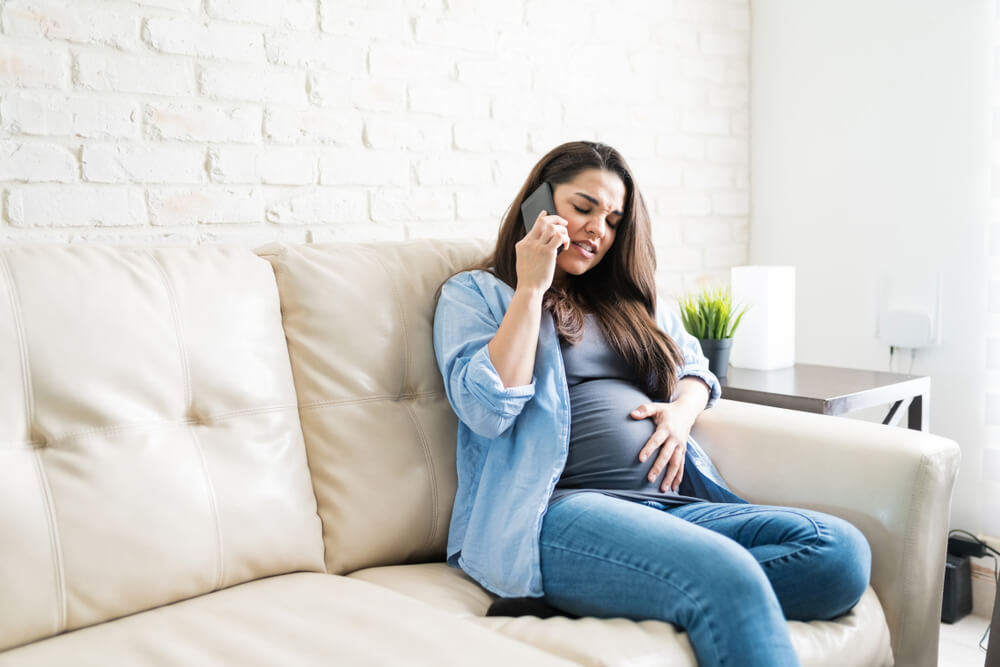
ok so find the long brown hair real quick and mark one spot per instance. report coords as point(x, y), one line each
point(620, 290)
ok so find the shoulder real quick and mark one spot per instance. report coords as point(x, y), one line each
point(469, 278)
point(478, 281)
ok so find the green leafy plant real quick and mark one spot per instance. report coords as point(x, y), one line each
point(710, 314)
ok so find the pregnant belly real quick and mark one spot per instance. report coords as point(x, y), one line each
point(605, 440)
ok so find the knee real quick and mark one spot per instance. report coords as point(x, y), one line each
point(845, 568)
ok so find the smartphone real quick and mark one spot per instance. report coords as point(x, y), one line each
point(538, 201)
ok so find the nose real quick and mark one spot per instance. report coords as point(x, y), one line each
point(597, 225)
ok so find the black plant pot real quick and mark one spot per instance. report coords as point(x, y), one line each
point(717, 351)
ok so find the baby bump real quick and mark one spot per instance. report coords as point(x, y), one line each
point(605, 440)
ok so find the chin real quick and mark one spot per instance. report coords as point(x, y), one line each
point(577, 268)
point(574, 270)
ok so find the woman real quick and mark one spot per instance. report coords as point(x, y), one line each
point(577, 479)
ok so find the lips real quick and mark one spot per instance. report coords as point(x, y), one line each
point(587, 248)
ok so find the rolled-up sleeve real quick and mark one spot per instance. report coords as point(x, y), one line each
point(463, 327)
point(695, 362)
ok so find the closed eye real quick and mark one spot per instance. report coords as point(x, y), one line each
point(612, 225)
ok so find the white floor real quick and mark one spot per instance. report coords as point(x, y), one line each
point(959, 645)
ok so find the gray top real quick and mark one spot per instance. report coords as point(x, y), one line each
point(604, 440)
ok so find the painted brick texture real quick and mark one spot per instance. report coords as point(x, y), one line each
point(244, 121)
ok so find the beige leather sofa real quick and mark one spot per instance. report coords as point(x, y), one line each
point(211, 456)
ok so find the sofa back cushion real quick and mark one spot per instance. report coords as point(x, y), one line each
point(379, 431)
point(150, 448)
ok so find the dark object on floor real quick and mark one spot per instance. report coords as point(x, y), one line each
point(525, 607)
point(963, 546)
point(956, 602)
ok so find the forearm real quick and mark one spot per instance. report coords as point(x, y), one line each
point(512, 350)
point(691, 395)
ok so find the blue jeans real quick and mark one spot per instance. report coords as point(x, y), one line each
point(728, 574)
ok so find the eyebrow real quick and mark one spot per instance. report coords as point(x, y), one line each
point(597, 203)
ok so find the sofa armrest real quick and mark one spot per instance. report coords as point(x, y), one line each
point(894, 484)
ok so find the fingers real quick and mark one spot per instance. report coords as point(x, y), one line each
point(655, 440)
point(671, 445)
point(662, 459)
point(556, 241)
point(671, 457)
point(552, 229)
point(675, 470)
point(536, 228)
point(645, 411)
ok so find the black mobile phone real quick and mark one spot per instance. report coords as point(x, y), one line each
point(538, 201)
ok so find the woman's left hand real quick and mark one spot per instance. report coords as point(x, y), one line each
point(673, 425)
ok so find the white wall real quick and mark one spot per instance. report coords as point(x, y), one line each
point(243, 121)
point(991, 453)
point(870, 159)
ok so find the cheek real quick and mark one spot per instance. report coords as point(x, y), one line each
point(609, 244)
point(574, 223)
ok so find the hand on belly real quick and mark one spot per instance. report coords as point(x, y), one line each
point(605, 439)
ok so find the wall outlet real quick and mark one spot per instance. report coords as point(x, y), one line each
point(909, 313)
point(906, 328)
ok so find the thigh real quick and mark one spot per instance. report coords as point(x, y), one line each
point(603, 556)
point(818, 564)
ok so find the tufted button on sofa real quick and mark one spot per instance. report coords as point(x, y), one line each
point(217, 456)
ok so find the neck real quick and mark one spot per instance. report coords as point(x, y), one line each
point(559, 278)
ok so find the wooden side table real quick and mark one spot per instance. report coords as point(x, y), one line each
point(833, 391)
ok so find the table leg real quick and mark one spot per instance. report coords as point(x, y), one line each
point(918, 413)
point(895, 413)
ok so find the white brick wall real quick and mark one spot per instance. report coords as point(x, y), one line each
point(243, 121)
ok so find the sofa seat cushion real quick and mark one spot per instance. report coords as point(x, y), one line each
point(292, 619)
point(859, 638)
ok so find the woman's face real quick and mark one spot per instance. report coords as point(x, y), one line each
point(592, 204)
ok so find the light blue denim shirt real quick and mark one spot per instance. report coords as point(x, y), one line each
point(513, 441)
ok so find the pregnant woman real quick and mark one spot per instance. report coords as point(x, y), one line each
point(578, 482)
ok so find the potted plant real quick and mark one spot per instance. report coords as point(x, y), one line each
point(710, 317)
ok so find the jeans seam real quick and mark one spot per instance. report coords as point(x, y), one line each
point(820, 533)
point(814, 546)
point(723, 660)
point(565, 527)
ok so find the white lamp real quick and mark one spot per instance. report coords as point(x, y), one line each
point(765, 338)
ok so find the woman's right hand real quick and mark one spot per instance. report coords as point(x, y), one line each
point(512, 350)
point(536, 252)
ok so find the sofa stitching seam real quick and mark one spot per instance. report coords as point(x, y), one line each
point(55, 544)
point(402, 324)
point(29, 444)
point(15, 306)
point(189, 399)
point(425, 447)
point(336, 402)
